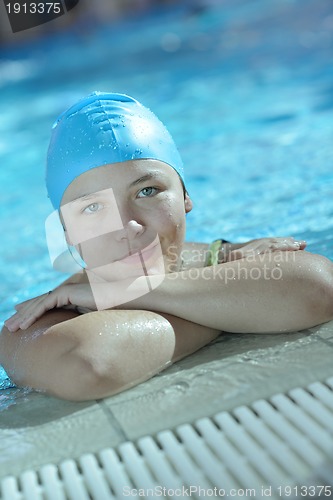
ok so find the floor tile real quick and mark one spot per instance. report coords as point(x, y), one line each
point(325, 331)
point(41, 430)
point(235, 370)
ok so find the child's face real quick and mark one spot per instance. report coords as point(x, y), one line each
point(126, 215)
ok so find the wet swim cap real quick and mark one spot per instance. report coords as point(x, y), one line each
point(100, 129)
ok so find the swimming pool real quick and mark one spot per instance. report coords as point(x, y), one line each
point(245, 88)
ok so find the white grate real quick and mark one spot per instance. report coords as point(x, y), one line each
point(281, 447)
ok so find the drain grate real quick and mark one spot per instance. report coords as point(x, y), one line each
point(281, 447)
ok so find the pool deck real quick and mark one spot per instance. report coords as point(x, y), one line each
point(235, 369)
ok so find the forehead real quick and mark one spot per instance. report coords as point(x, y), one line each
point(117, 176)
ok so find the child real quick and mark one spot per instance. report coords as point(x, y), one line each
point(144, 298)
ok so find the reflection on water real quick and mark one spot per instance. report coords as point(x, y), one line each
point(9, 395)
point(5, 383)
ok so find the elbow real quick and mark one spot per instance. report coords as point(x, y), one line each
point(322, 303)
point(80, 379)
point(321, 290)
point(87, 377)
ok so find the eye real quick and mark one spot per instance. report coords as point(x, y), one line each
point(147, 192)
point(93, 208)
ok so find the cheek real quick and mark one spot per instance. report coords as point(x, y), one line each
point(101, 250)
point(171, 222)
point(172, 238)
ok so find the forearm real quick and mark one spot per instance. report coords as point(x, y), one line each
point(271, 293)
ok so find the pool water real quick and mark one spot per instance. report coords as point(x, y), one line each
point(245, 88)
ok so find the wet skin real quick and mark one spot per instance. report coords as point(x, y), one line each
point(112, 212)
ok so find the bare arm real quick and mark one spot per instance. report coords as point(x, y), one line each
point(272, 292)
point(196, 254)
point(97, 354)
point(79, 291)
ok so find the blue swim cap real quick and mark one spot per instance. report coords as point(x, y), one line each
point(104, 128)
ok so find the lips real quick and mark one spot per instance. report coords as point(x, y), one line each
point(95, 257)
point(145, 254)
point(144, 262)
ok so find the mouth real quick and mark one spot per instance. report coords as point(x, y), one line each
point(143, 255)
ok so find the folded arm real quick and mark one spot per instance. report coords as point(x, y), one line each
point(97, 354)
point(104, 352)
point(273, 292)
point(78, 291)
point(269, 292)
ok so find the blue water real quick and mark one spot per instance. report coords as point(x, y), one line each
point(246, 89)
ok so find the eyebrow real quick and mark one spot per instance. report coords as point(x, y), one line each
point(144, 178)
point(87, 197)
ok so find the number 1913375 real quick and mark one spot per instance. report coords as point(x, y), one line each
point(34, 8)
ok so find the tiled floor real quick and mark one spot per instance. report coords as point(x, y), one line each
point(234, 370)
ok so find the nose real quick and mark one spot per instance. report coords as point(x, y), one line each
point(131, 231)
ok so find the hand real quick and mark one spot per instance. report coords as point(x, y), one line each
point(30, 310)
point(96, 294)
point(264, 245)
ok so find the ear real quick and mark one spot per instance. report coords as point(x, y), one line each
point(188, 203)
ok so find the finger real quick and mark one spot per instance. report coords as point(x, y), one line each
point(28, 305)
point(242, 253)
point(13, 322)
point(23, 304)
point(283, 247)
point(37, 310)
point(30, 312)
point(289, 245)
point(292, 241)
